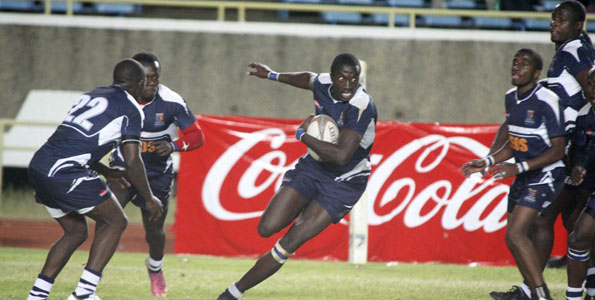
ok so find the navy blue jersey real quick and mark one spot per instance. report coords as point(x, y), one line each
point(163, 116)
point(584, 150)
point(570, 58)
point(532, 122)
point(357, 114)
point(90, 130)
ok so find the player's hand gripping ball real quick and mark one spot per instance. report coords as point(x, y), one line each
point(324, 128)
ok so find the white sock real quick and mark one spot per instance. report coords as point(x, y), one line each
point(526, 290)
point(88, 283)
point(233, 290)
point(574, 293)
point(41, 288)
point(154, 265)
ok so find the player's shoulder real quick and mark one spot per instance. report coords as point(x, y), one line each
point(361, 99)
point(576, 49)
point(585, 110)
point(511, 91)
point(169, 95)
point(324, 78)
point(545, 95)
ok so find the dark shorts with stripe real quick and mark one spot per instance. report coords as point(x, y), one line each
point(161, 186)
point(536, 190)
point(69, 190)
point(336, 197)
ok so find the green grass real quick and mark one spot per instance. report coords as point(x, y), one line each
point(200, 277)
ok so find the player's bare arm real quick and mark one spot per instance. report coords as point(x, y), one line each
point(339, 153)
point(135, 170)
point(163, 148)
point(551, 155)
point(112, 175)
point(479, 165)
point(303, 80)
point(501, 138)
point(583, 76)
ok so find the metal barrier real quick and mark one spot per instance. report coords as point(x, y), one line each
point(242, 7)
point(4, 123)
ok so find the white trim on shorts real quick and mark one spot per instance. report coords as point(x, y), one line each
point(57, 213)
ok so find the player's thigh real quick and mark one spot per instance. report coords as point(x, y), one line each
point(520, 221)
point(110, 212)
point(285, 206)
point(122, 193)
point(74, 224)
point(311, 222)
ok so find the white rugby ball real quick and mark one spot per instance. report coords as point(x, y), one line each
point(324, 128)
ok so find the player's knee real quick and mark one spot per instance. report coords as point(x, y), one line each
point(513, 239)
point(79, 236)
point(266, 229)
point(578, 240)
point(280, 254)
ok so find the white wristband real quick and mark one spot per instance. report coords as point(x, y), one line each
point(523, 167)
point(489, 161)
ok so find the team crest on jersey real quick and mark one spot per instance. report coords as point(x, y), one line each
point(531, 195)
point(159, 119)
point(340, 121)
point(530, 118)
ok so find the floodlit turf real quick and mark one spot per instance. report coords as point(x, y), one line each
point(200, 277)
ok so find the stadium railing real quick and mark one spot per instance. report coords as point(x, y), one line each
point(243, 6)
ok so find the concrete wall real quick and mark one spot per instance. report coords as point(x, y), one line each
point(446, 76)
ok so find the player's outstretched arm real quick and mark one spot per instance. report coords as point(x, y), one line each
point(480, 165)
point(340, 153)
point(135, 170)
point(549, 156)
point(303, 80)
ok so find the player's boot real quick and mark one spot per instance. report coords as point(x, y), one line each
point(158, 287)
point(226, 295)
point(90, 297)
point(587, 297)
point(515, 293)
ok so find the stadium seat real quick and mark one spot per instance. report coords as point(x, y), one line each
point(20, 5)
point(342, 17)
point(536, 24)
point(400, 20)
point(356, 2)
point(119, 9)
point(441, 21)
point(492, 23)
point(550, 5)
point(461, 4)
point(405, 3)
point(590, 26)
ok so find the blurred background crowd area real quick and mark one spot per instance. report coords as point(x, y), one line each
point(165, 10)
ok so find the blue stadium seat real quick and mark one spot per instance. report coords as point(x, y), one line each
point(342, 17)
point(60, 6)
point(492, 23)
point(590, 26)
point(406, 3)
point(356, 2)
point(119, 9)
point(400, 20)
point(19, 5)
point(550, 5)
point(441, 21)
point(461, 4)
point(537, 24)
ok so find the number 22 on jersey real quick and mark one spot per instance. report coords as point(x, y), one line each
point(80, 116)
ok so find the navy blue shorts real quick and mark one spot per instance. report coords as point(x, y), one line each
point(536, 190)
point(337, 198)
point(161, 186)
point(79, 188)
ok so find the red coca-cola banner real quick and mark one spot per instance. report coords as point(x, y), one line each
point(420, 207)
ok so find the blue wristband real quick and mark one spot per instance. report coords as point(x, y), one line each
point(175, 146)
point(299, 133)
point(273, 76)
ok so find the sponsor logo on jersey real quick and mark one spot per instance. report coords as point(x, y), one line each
point(317, 104)
point(340, 122)
point(530, 118)
point(159, 119)
point(103, 192)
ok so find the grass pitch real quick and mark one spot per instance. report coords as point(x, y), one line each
point(200, 277)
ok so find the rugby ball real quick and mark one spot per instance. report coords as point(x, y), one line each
point(324, 128)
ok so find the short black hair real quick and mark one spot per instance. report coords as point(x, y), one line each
point(128, 71)
point(577, 10)
point(345, 59)
point(535, 57)
point(147, 57)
